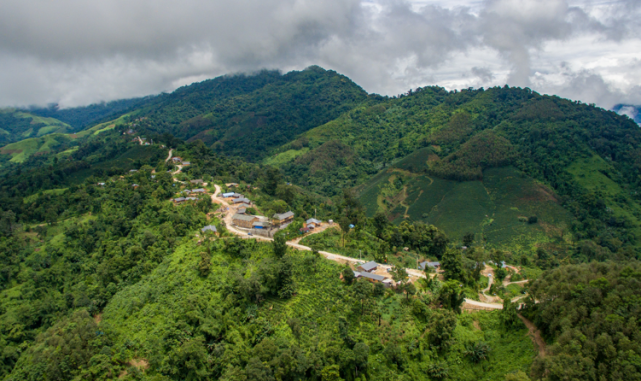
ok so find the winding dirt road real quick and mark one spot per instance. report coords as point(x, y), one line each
point(229, 210)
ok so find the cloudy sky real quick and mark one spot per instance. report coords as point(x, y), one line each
point(77, 52)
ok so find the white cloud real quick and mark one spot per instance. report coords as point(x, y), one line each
point(76, 52)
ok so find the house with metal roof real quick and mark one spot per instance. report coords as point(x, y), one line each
point(372, 277)
point(176, 159)
point(197, 181)
point(434, 265)
point(199, 190)
point(228, 195)
point(209, 228)
point(241, 210)
point(179, 200)
point(242, 200)
point(283, 218)
point(261, 225)
point(186, 163)
point(368, 267)
point(312, 223)
point(244, 220)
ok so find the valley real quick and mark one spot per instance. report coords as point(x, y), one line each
point(482, 234)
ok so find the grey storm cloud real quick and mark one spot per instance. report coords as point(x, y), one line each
point(76, 52)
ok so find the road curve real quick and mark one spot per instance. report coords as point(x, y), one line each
point(227, 216)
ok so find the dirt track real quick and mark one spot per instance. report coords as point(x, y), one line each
point(231, 210)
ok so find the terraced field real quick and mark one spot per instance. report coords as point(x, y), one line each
point(496, 208)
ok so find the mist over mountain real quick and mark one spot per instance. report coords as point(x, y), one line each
point(481, 234)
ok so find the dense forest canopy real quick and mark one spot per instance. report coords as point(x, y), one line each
point(105, 276)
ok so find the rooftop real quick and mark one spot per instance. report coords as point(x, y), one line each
point(211, 228)
point(243, 217)
point(371, 265)
point(313, 221)
point(379, 278)
point(283, 216)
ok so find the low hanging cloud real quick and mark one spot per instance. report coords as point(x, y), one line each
point(75, 52)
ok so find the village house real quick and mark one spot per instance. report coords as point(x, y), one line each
point(199, 190)
point(229, 185)
point(228, 195)
point(242, 201)
point(368, 267)
point(186, 163)
point(244, 220)
point(176, 159)
point(261, 225)
point(312, 223)
point(374, 278)
point(178, 200)
point(210, 229)
point(197, 181)
point(101, 184)
point(283, 218)
point(433, 265)
point(241, 210)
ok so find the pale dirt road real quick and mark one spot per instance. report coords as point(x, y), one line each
point(230, 211)
point(169, 156)
point(535, 335)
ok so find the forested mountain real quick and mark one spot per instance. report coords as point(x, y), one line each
point(80, 117)
point(104, 276)
point(17, 125)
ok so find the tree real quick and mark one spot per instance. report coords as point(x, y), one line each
point(7, 223)
point(468, 239)
point(204, 264)
point(441, 329)
point(273, 178)
point(451, 296)
point(348, 275)
point(409, 289)
point(478, 351)
point(361, 356)
point(344, 223)
point(380, 223)
point(331, 373)
point(452, 266)
point(509, 315)
point(399, 274)
point(279, 246)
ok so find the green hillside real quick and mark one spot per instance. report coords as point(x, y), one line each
point(17, 125)
point(434, 155)
point(104, 276)
point(249, 115)
point(22, 150)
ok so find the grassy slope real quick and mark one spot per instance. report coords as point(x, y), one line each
point(143, 316)
point(45, 125)
point(22, 150)
point(594, 174)
point(492, 206)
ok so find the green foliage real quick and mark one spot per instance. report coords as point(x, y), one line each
point(451, 296)
point(441, 329)
point(590, 312)
point(452, 266)
point(478, 352)
point(279, 246)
